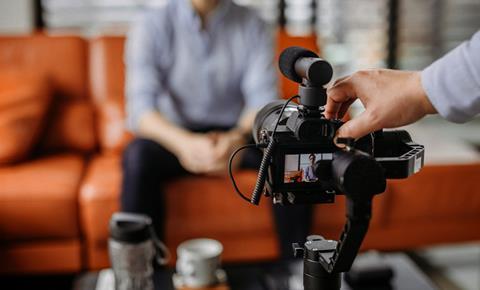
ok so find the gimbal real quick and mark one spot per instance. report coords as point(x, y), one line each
point(287, 132)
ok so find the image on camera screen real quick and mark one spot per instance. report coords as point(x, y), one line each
point(300, 167)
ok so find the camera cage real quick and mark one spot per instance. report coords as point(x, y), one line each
point(398, 155)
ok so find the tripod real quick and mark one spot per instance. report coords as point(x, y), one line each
point(324, 260)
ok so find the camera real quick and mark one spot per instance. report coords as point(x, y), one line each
point(301, 162)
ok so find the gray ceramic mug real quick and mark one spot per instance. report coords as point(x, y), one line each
point(198, 261)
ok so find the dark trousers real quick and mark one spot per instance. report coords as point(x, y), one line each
point(147, 166)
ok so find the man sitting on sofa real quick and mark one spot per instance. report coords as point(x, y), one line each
point(197, 72)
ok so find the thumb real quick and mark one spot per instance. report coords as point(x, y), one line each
point(357, 127)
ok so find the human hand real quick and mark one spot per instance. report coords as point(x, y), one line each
point(196, 153)
point(391, 98)
point(225, 144)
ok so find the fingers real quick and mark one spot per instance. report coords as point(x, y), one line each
point(331, 109)
point(340, 80)
point(344, 108)
point(358, 127)
point(213, 136)
point(200, 156)
point(340, 96)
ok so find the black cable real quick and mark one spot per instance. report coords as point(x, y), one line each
point(280, 115)
point(230, 169)
point(262, 173)
point(264, 164)
point(267, 155)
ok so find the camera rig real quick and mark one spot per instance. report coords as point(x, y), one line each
point(302, 164)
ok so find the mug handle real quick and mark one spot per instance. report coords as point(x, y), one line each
point(162, 254)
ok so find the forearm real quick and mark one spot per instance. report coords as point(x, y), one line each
point(245, 123)
point(154, 126)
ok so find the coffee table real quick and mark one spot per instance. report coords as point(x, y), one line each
point(272, 276)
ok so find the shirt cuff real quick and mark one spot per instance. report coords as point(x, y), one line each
point(136, 111)
point(449, 86)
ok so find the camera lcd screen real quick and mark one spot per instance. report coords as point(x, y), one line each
point(299, 168)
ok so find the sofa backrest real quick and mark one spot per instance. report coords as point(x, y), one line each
point(107, 78)
point(84, 72)
point(62, 60)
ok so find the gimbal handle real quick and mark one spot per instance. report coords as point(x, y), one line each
point(358, 220)
point(325, 260)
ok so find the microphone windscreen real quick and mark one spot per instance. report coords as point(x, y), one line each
point(288, 58)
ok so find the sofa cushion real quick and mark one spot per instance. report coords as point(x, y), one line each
point(38, 199)
point(196, 207)
point(24, 102)
point(41, 257)
point(71, 127)
point(63, 59)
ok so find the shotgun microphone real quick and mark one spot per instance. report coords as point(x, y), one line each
point(299, 64)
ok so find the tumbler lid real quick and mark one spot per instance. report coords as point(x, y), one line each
point(130, 227)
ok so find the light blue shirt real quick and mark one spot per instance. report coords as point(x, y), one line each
point(452, 83)
point(309, 174)
point(198, 77)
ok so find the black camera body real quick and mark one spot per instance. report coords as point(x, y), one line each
point(296, 145)
point(297, 137)
point(302, 164)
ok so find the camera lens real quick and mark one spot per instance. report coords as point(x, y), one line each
point(266, 118)
point(357, 173)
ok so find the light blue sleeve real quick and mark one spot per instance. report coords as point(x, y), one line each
point(452, 83)
point(259, 83)
point(143, 75)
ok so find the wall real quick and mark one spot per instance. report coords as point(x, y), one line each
point(16, 16)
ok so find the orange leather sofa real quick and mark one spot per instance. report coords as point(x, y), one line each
point(55, 203)
point(39, 213)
